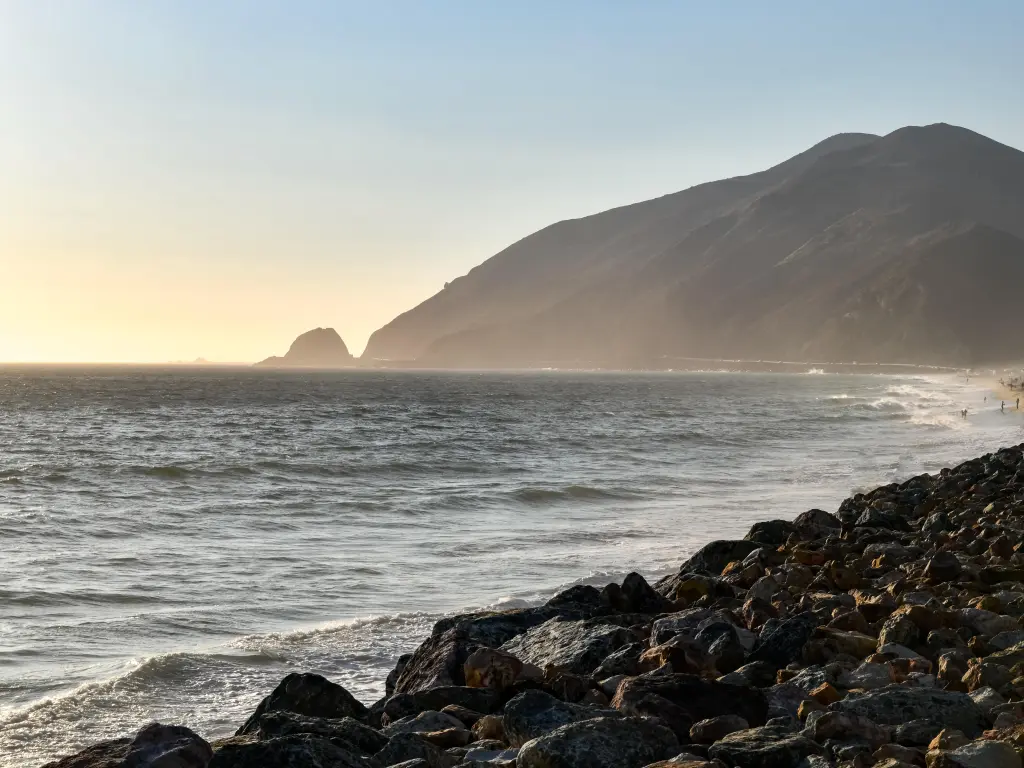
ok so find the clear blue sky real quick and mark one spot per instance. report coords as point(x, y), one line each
point(183, 177)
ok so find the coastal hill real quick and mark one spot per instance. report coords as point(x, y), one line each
point(907, 247)
point(318, 348)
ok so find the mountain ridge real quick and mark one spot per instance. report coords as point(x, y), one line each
point(755, 266)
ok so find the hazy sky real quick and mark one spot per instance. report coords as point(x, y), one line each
point(183, 178)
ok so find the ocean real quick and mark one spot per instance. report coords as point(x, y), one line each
point(173, 541)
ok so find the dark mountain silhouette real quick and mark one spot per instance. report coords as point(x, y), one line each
point(902, 248)
point(319, 348)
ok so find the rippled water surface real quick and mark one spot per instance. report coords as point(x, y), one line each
point(173, 541)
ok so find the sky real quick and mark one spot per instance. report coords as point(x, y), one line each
point(187, 178)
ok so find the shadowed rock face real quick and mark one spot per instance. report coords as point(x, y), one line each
point(901, 248)
point(319, 348)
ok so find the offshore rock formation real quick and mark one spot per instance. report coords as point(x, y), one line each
point(889, 634)
point(319, 348)
point(905, 248)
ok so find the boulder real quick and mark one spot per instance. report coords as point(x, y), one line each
point(770, 533)
point(437, 662)
point(482, 700)
point(785, 643)
point(624, 661)
point(281, 723)
point(868, 676)
point(710, 559)
point(534, 713)
point(765, 747)
point(412, 746)
point(287, 752)
point(986, 754)
point(491, 668)
point(846, 726)
point(575, 646)
point(896, 704)
point(700, 699)
point(600, 743)
point(637, 596)
point(105, 754)
point(715, 728)
point(495, 628)
point(307, 694)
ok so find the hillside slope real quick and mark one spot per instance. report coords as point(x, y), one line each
point(907, 247)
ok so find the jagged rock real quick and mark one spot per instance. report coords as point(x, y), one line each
point(575, 646)
point(533, 713)
point(916, 733)
point(492, 668)
point(412, 746)
point(715, 728)
point(785, 643)
point(307, 694)
point(489, 727)
point(895, 704)
point(682, 653)
point(281, 723)
point(765, 747)
point(637, 596)
point(817, 521)
point(394, 674)
point(600, 743)
point(298, 751)
point(982, 674)
point(758, 674)
point(987, 699)
point(682, 623)
point(868, 677)
point(986, 622)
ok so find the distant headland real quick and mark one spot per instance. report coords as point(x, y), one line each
point(318, 348)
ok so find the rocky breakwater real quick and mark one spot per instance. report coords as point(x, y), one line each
point(888, 634)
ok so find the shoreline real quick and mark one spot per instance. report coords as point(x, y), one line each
point(807, 643)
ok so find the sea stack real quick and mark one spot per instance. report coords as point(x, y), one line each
point(318, 348)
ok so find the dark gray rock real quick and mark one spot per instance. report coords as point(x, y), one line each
point(637, 596)
point(166, 745)
point(298, 751)
point(394, 674)
point(106, 754)
point(621, 662)
point(785, 643)
point(770, 533)
point(700, 699)
point(533, 713)
point(686, 622)
point(916, 733)
point(575, 646)
point(765, 747)
point(759, 674)
point(307, 694)
point(437, 662)
point(580, 597)
point(600, 743)
point(710, 559)
point(483, 700)
point(896, 704)
point(817, 521)
point(495, 628)
point(363, 737)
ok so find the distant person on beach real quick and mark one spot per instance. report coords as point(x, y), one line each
point(963, 413)
point(1002, 406)
point(1018, 403)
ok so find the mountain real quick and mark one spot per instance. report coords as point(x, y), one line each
point(319, 348)
point(907, 247)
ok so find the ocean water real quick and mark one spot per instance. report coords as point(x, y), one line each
point(174, 541)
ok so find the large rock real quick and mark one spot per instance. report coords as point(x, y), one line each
point(700, 699)
point(412, 746)
point(600, 743)
point(106, 754)
point(298, 751)
point(483, 700)
point(366, 739)
point(637, 596)
point(897, 704)
point(710, 559)
point(533, 713)
point(575, 646)
point(766, 747)
point(424, 722)
point(307, 694)
point(986, 754)
point(495, 628)
point(770, 533)
point(437, 662)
